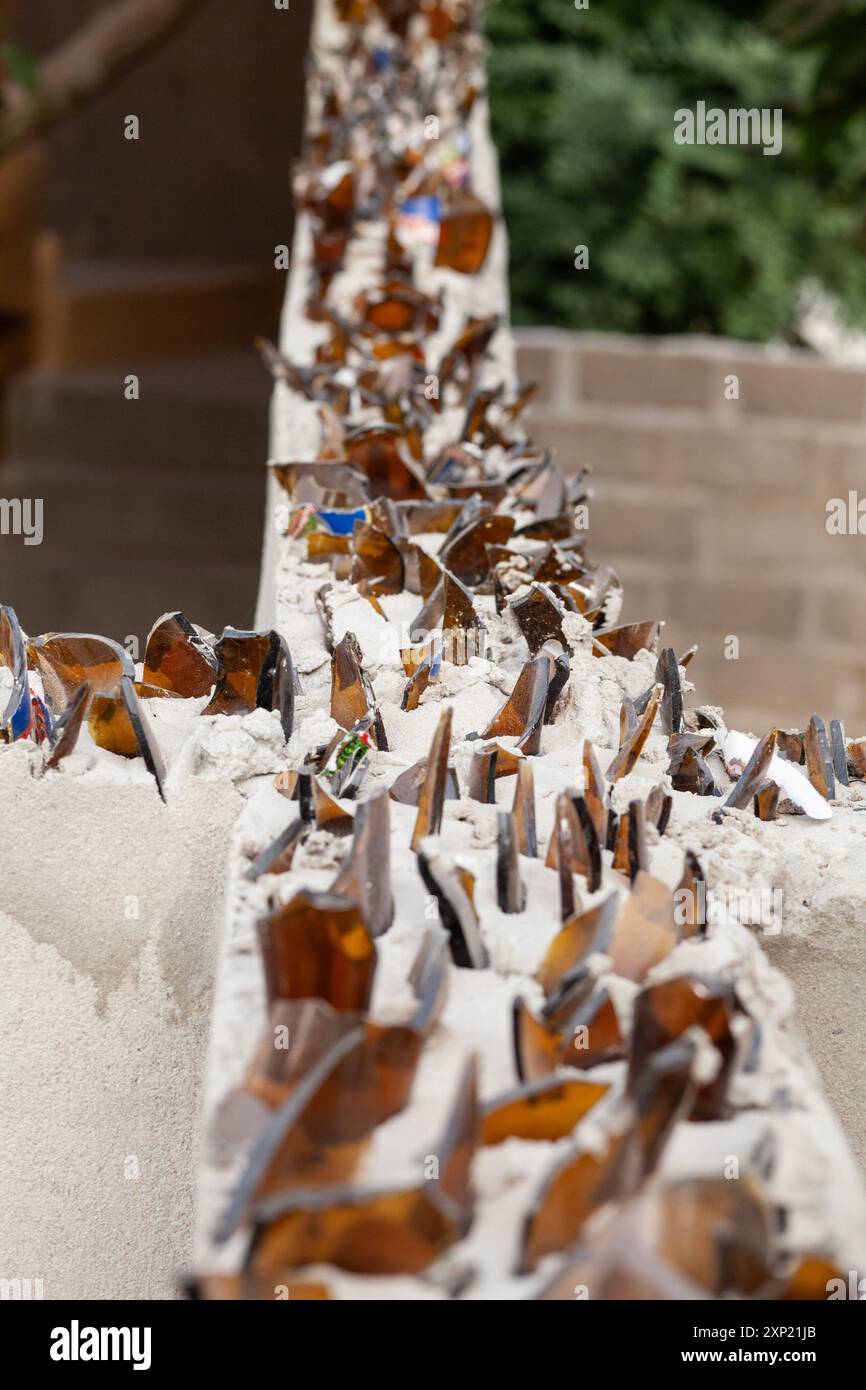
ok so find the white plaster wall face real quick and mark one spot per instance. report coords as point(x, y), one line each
point(108, 965)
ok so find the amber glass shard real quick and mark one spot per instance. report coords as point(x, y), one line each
point(857, 759)
point(336, 484)
point(431, 801)
point(329, 814)
point(465, 233)
point(754, 774)
point(690, 897)
point(382, 454)
point(626, 759)
point(548, 1109)
point(690, 773)
point(376, 560)
point(539, 617)
point(430, 517)
point(580, 1184)
point(483, 773)
point(595, 791)
point(418, 683)
point(469, 347)
point(68, 660)
point(423, 573)
point(819, 763)
point(580, 937)
point(510, 892)
point(352, 698)
point(592, 1035)
point(630, 854)
point(522, 715)
point(767, 801)
point(449, 615)
point(118, 723)
point(837, 747)
point(790, 745)
point(376, 1232)
point(659, 805)
point(523, 811)
point(810, 1280)
point(279, 856)
point(318, 947)
point(537, 1045)
point(177, 658)
point(665, 1011)
point(645, 930)
point(576, 1188)
point(67, 727)
point(317, 1133)
point(627, 641)
point(718, 1233)
point(454, 890)
point(466, 555)
point(668, 675)
point(408, 786)
point(627, 719)
point(255, 672)
point(365, 878)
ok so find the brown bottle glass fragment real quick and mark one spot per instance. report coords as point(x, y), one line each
point(67, 726)
point(177, 658)
point(68, 660)
point(279, 856)
point(466, 555)
point(329, 814)
point(118, 723)
point(316, 1136)
point(510, 892)
point(790, 745)
point(383, 455)
point(630, 854)
point(365, 878)
point(366, 1232)
point(717, 1233)
point(645, 930)
point(754, 774)
point(659, 805)
point(587, 932)
point(317, 947)
point(483, 774)
point(690, 898)
point(333, 483)
point(465, 233)
point(408, 786)
point(663, 1012)
point(819, 763)
point(767, 801)
point(595, 791)
point(592, 1035)
point(228, 1288)
point(690, 773)
point(523, 811)
point(626, 759)
point(454, 890)
point(837, 748)
point(352, 698)
point(548, 1109)
point(539, 617)
point(255, 672)
point(671, 708)
point(416, 685)
point(522, 715)
point(431, 801)
point(376, 560)
point(627, 641)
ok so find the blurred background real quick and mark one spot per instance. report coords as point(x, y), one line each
point(706, 359)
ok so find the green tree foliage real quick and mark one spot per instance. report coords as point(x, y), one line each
point(681, 238)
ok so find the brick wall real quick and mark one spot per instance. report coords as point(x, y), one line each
point(714, 510)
